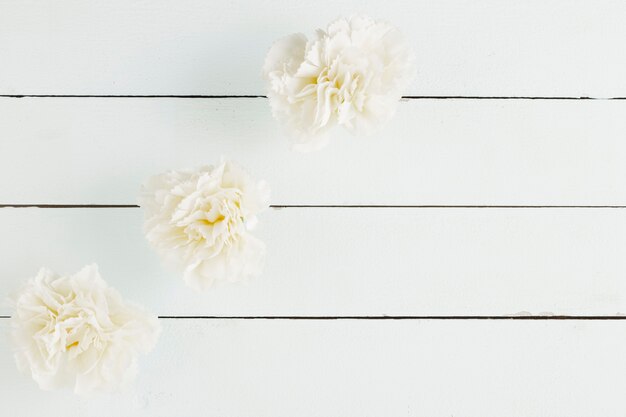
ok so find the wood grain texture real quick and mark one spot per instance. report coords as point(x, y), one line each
point(410, 368)
point(353, 262)
point(334, 262)
point(485, 47)
point(467, 152)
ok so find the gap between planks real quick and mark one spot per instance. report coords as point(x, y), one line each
point(431, 318)
point(335, 206)
point(262, 96)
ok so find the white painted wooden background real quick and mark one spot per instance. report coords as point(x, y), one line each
point(498, 191)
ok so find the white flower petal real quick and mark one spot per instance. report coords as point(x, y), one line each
point(77, 332)
point(352, 75)
point(200, 220)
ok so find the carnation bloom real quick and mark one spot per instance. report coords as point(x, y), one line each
point(202, 219)
point(75, 331)
point(352, 74)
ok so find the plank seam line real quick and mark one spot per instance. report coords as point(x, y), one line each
point(433, 318)
point(197, 96)
point(394, 317)
point(338, 206)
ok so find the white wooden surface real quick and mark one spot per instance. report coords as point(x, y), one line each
point(334, 261)
point(358, 368)
point(354, 262)
point(484, 47)
point(474, 152)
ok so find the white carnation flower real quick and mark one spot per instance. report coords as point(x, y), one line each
point(75, 331)
point(352, 74)
point(202, 219)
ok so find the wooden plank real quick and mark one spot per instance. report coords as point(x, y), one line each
point(357, 368)
point(333, 262)
point(484, 47)
point(435, 152)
